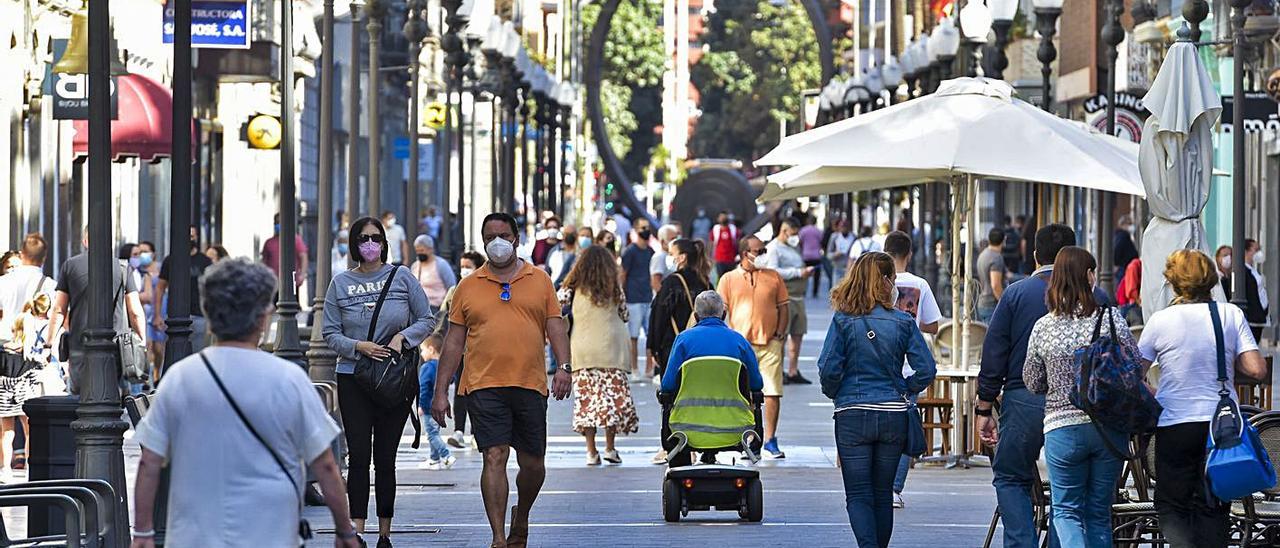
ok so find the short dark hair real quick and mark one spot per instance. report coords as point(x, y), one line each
point(865, 231)
point(1007, 220)
point(504, 217)
point(1250, 243)
point(745, 244)
point(34, 248)
point(476, 258)
point(996, 236)
point(792, 222)
point(1050, 239)
point(125, 251)
point(358, 227)
point(897, 244)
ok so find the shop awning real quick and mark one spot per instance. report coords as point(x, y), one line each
point(144, 127)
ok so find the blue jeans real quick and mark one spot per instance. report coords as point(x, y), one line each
point(870, 446)
point(1083, 473)
point(1013, 469)
point(439, 450)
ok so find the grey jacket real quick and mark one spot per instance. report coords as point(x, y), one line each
point(348, 310)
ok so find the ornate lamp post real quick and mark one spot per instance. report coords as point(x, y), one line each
point(946, 39)
point(456, 59)
point(567, 98)
point(1112, 35)
point(975, 21)
point(1047, 13)
point(320, 358)
point(287, 346)
point(1002, 14)
point(1195, 12)
point(1239, 43)
point(524, 73)
point(353, 116)
point(415, 30)
point(375, 10)
point(891, 75)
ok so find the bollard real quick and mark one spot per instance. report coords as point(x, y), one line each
point(51, 454)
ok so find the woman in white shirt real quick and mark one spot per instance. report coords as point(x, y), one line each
point(1181, 340)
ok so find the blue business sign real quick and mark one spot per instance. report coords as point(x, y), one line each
point(223, 25)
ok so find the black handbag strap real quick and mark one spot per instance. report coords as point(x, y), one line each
point(382, 297)
point(1222, 350)
point(245, 420)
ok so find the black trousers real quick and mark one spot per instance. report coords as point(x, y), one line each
point(1187, 518)
point(373, 434)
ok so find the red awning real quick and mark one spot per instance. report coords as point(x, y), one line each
point(144, 127)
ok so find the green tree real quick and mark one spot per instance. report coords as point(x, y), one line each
point(631, 94)
point(761, 57)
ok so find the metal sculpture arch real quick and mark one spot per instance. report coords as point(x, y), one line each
point(594, 77)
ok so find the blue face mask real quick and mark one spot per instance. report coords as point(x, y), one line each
point(135, 262)
point(344, 249)
point(145, 259)
point(277, 229)
point(584, 242)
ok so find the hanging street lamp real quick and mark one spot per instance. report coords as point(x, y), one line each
point(1047, 13)
point(975, 22)
point(1002, 15)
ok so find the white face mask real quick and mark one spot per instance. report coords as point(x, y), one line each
point(759, 262)
point(671, 263)
point(391, 222)
point(467, 272)
point(793, 240)
point(1225, 262)
point(1258, 258)
point(500, 251)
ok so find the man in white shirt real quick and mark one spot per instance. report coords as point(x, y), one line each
point(23, 283)
point(915, 298)
point(865, 243)
point(658, 267)
point(397, 241)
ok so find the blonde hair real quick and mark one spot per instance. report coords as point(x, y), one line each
point(1192, 275)
point(36, 307)
point(862, 288)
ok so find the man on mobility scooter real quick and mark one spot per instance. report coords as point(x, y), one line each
point(711, 398)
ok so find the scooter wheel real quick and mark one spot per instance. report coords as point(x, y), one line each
point(671, 501)
point(754, 512)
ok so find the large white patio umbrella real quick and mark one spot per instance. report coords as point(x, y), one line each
point(1176, 161)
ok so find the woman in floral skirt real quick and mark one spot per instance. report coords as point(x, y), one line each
point(600, 348)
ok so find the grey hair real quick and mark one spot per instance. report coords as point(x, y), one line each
point(235, 294)
point(668, 233)
point(709, 304)
point(424, 241)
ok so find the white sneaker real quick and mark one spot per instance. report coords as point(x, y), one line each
point(612, 457)
point(456, 440)
point(429, 464)
point(593, 459)
point(447, 463)
point(898, 501)
point(660, 457)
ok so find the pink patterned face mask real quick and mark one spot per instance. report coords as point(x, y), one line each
point(370, 251)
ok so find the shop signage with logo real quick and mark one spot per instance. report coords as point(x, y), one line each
point(1260, 112)
point(222, 25)
point(1130, 115)
point(71, 97)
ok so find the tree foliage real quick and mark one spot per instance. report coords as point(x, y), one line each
point(760, 57)
point(631, 94)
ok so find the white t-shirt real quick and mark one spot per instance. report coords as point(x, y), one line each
point(226, 490)
point(863, 245)
point(915, 297)
point(395, 236)
point(16, 290)
point(1180, 338)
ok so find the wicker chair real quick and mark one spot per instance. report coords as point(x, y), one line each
point(1133, 517)
point(1258, 517)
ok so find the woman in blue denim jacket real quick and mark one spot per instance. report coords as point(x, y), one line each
point(861, 371)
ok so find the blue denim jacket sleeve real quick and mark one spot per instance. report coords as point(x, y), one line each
point(996, 348)
point(920, 358)
point(831, 361)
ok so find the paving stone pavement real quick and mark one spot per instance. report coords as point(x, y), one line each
point(620, 505)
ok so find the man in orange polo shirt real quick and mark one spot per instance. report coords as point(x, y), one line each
point(501, 316)
point(757, 300)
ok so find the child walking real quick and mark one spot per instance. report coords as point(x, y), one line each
point(440, 458)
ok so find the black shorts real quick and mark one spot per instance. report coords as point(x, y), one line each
point(514, 417)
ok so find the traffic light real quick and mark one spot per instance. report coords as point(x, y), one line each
point(610, 195)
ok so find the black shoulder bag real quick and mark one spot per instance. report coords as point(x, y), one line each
point(390, 382)
point(304, 527)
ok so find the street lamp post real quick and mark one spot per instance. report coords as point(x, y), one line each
point(99, 429)
point(415, 30)
point(353, 116)
point(456, 59)
point(1195, 12)
point(321, 360)
point(567, 96)
point(375, 10)
point(975, 21)
point(1002, 14)
point(945, 41)
point(287, 345)
point(1112, 36)
point(1047, 13)
point(1239, 42)
point(524, 68)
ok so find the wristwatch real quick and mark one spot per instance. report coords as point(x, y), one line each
point(982, 412)
point(566, 367)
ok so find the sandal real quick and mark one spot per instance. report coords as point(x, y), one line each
point(518, 540)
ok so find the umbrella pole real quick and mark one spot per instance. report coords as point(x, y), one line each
point(955, 269)
point(970, 215)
